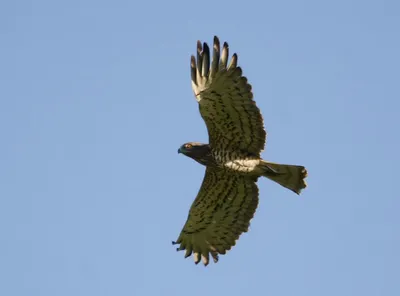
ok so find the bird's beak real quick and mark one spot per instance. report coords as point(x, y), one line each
point(179, 150)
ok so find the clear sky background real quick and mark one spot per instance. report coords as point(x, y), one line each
point(95, 99)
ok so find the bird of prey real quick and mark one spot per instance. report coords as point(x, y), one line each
point(228, 196)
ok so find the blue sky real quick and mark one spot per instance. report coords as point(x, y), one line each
point(95, 100)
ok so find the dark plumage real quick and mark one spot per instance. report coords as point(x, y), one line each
point(199, 152)
point(228, 196)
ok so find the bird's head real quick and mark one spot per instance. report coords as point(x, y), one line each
point(197, 151)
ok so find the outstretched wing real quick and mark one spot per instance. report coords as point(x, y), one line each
point(220, 213)
point(226, 102)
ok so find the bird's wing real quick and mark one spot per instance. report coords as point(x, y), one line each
point(220, 213)
point(226, 101)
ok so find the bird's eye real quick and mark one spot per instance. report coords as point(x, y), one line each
point(188, 146)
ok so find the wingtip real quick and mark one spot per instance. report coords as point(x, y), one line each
point(197, 258)
point(216, 44)
point(192, 61)
point(233, 63)
point(215, 257)
point(205, 259)
point(205, 47)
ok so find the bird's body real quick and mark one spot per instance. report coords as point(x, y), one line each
point(228, 197)
point(229, 160)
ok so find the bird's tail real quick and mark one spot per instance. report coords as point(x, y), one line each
point(289, 176)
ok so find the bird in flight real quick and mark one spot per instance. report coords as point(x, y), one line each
point(228, 196)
